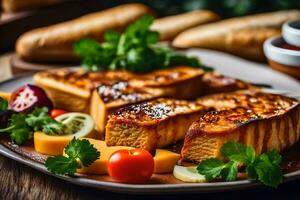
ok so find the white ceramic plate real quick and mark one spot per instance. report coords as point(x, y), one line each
point(228, 65)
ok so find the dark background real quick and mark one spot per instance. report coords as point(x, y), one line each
point(226, 8)
point(19, 23)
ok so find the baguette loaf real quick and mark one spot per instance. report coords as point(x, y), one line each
point(242, 36)
point(170, 26)
point(54, 43)
point(21, 5)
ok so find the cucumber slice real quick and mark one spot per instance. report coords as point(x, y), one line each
point(188, 174)
point(77, 124)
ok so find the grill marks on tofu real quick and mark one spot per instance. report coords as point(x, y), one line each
point(110, 97)
point(71, 89)
point(263, 121)
point(152, 124)
point(179, 82)
point(122, 91)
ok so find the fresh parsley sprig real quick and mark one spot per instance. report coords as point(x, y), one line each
point(79, 152)
point(21, 127)
point(3, 104)
point(264, 168)
point(40, 120)
point(135, 49)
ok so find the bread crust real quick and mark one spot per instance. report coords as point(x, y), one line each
point(242, 36)
point(54, 43)
point(170, 26)
point(21, 5)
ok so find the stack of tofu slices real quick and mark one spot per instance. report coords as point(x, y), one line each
point(160, 108)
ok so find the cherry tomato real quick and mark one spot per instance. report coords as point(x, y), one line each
point(56, 112)
point(131, 166)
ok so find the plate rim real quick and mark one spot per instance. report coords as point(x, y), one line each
point(137, 188)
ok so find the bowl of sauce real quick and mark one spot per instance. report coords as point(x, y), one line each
point(291, 32)
point(283, 56)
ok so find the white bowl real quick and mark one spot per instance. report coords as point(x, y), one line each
point(281, 55)
point(291, 32)
point(281, 59)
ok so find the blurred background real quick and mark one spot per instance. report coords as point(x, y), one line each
point(225, 8)
point(18, 17)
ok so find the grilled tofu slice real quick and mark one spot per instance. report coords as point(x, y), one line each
point(181, 82)
point(112, 96)
point(152, 124)
point(71, 89)
point(214, 82)
point(262, 120)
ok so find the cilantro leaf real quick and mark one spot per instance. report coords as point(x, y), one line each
point(19, 130)
point(267, 169)
point(78, 153)
point(211, 168)
point(39, 119)
point(21, 135)
point(238, 152)
point(3, 104)
point(83, 150)
point(251, 173)
point(61, 165)
point(274, 157)
point(135, 49)
point(264, 168)
point(21, 127)
point(229, 173)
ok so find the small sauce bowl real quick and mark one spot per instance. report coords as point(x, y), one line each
point(282, 56)
point(291, 32)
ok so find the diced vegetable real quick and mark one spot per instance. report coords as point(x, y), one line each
point(188, 174)
point(28, 97)
point(76, 124)
point(56, 112)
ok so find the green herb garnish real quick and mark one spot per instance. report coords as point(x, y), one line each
point(21, 127)
point(264, 168)
point(39, 119)
point(3, 104)
point(133, 50)
point(78, 153)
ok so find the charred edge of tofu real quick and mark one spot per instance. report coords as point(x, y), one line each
point(153, 124)
point(269, 121)
point(167, 77)
point(263, 104)
point(84, 79)
point(123, 91)
point(155, 110)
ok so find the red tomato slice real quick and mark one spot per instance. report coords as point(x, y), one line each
point(56, 112)
point(131, 166)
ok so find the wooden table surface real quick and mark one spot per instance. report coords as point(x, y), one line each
point(18, 181)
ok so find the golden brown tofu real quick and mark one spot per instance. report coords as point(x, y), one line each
point(112, 96)
point(181, 82)
point(152, 124)
point(261, 120)
point(71, 89)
